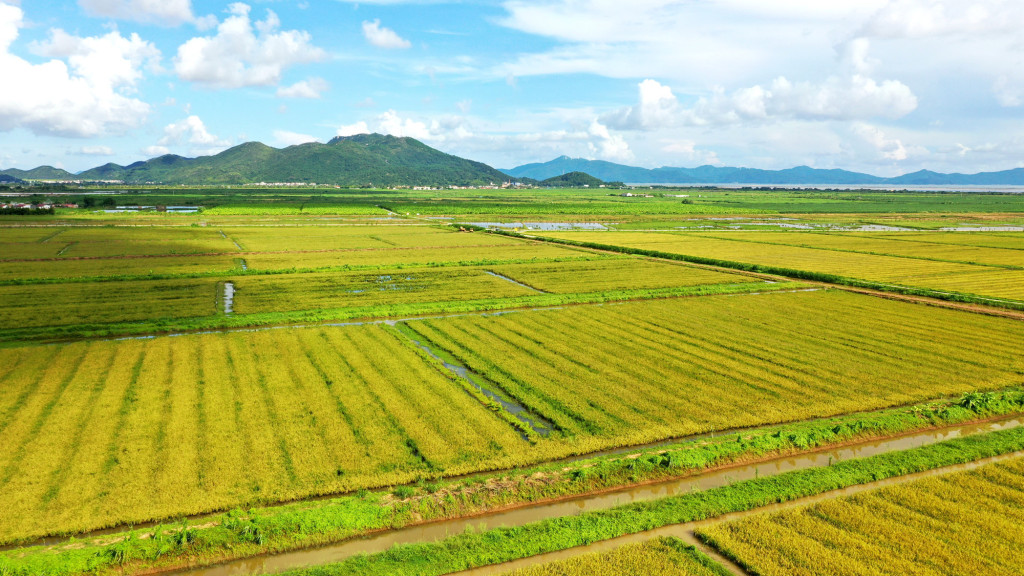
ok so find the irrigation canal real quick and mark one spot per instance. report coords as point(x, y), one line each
point(434, 531)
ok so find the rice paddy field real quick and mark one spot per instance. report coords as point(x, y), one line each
point(953, 261)
point(159, 368)
point(324, 410)
point(961, 523)
point(668, 556)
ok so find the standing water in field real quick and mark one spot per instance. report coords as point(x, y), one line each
point(229, 298)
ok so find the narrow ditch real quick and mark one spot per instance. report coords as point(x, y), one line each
point(686, 531)
point(52, 236)
point(516, 282)
point(524, 415)
point(233, 241)
point(66, 248)
point(435, 531)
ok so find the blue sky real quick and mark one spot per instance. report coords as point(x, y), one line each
point(883, 86)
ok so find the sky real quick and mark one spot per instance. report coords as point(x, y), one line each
point(880, 86)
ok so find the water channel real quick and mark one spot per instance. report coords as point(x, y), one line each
point(435, 531)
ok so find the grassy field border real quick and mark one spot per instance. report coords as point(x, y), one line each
point(473, 550)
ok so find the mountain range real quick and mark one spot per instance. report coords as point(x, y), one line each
point(361, 160)
point(610, 171)
point(381, 161)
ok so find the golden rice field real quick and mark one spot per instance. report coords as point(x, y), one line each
point(640, 371)
point(907, 246)
point(255, 294)
point(920, 273)
point(144, 241)
point(54, 269)
point(284, 238)
point(412, 256)
point(103, 433)
point(613, 274)
point(32, 305)
point(661, 556)
point(97, 433)
point(112, 432)
point(1010, 240)
point(960, 524)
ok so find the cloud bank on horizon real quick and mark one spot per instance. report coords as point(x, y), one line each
point(883, 86)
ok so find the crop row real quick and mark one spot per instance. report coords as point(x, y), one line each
point(963, 523)
point(111, 432)
point(668, 556)
point(43, 305)
point(980, 239)
point(266, 239)
point(112, 242)
point(94, 303)
point(162, 267)
point(868, 243)
point(915, 273)
point(642, 371)
point(257, 294)
point(277, 528)
point(596, 275)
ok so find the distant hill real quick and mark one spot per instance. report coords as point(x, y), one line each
point(572, 180)
point(382, 161)
point(361, 160)
point(40, 173)
point(8, 179)
point(610, 171)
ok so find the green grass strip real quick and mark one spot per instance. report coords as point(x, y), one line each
point(472, 550)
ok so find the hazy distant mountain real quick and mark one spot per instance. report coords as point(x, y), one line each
point(377, 160)
point(725, 175)
point(572, 180)
point(1013, 177)
point(40, 173)
point(362, 160)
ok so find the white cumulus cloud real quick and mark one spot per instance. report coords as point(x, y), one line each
point(161, 12)
point(391, 123)
point(927, 18)
point(383, 37)
point(88, 95)
point(244, 53)
point(888, 148)
point(606, 145)
point(95, 151)
point(353, 129)
point(286, 138)
point(154, 151)
point(192, 131)
point(853, 97)
point(311, 88)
